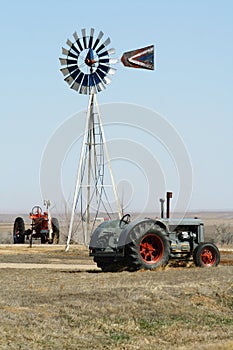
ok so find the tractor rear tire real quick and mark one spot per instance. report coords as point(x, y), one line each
point(147, 250)
point(206, 255)
point(56, 230)
point(18, 231)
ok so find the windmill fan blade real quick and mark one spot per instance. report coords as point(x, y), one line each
point(65, 51)
point(72, 46)
point(112, 71)
point(85, 80)
point(65, 71)
point(70, 54)
point(77, 40)
point(106, 69)
point(63, 61)
point(98, 39)
point(107, 80)
point(100, 86)
point(66, 61)
point(101, 74)
point(84, 38)
point(107, 52)
point(84, 85)
point(104, 77)
point(71, 78)
point(108, 61)
point(113, 60)
point(79, 78)
point(92, 84)
point(102, 68)
point(69, 43)
point(75, 35)
point(76, 85)
point(106, 43)
point(75, 49)
point(68, 70)
point(91, 38)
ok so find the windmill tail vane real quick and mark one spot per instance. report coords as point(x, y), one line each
point(140, 58)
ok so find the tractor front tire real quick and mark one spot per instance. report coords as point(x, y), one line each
point(109, 265)
point(18, 231)
point(56, 230)
point(147, 250)
point(43, 238)
point(206, 255)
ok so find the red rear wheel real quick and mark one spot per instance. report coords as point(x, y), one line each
point(151, 248)
point(148, 247)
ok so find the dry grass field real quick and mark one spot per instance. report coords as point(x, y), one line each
point(179, 307)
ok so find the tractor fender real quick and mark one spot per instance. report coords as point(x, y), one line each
point(105, 231)
point(139, 224)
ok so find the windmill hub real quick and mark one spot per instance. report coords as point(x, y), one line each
point(90, 61)
point(87, 63)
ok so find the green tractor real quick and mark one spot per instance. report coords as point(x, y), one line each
point(118, 245)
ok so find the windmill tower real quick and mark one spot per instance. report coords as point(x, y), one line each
point(87, 65)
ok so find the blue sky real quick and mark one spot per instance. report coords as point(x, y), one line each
point(192, 86)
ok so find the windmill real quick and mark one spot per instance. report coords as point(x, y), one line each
point(87, 65)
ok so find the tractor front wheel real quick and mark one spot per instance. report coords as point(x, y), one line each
point(206, 255)
point(109, 265)
point(18, 231)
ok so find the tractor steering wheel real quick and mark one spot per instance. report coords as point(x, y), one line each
point(125, 219)
point(36, 210)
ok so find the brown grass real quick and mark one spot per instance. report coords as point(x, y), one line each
point(179, 307)
point(174, 308)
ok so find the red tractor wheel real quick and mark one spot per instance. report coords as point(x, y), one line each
point(206, 255)
point(148, 250)
point(151, 248)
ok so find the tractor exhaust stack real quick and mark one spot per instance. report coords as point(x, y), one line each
point(162, 207)
point(169, 196)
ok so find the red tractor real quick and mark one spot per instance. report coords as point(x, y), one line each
point(43, 227)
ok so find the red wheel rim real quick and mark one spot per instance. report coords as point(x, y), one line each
point(208, 256)
point(151, 248)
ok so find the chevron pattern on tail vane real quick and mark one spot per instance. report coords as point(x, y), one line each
point(140, 58)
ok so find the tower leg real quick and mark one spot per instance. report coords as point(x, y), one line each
point(78, 181)
point(90, 149)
